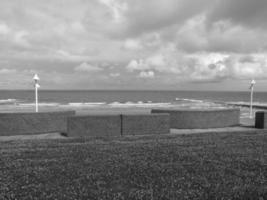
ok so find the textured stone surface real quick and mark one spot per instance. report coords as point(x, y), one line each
point(33, 123)
point(190, 119)
point(94, 125)
point(261, 120)
point(118, 125)
point(145, 124)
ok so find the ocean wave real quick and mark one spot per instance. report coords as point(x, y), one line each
point(190, 100)
point(7, 101)
point(79, 104)
point(40, 104)
point(238, 102)
point(139, 104)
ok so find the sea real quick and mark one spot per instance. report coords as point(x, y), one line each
point(122, 100)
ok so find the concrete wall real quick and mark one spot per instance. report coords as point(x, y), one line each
point(145, 124)
point(192, 119)
point(94, 125)
point(261, 120)
point(118, 125)
point(33, 123)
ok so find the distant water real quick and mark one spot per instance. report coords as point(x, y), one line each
point(110, 99)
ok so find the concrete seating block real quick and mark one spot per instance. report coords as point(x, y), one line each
point(33, 123)
point(145, 124)
point(94, 125)
point(200, 119)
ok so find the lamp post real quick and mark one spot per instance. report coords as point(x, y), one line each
point(36, 86)
point(253, 82)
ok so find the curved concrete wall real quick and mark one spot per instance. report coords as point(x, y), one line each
point(193, 119)
point(34, 123)
point(145, 124)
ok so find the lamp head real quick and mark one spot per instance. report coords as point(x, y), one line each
point(36, 77)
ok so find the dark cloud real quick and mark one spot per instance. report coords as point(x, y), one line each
point(247, 59)
point(252, 13)
point(222, 36)
point(154, 15)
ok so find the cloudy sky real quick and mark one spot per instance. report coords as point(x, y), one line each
point(133, 44)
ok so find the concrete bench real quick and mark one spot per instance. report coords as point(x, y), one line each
point(33, 123)
point(145, 124)
point(94, 125)
point(261, 119)
point(200, 119)
point(118, 125)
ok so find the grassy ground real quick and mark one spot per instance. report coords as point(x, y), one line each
point(200, 166)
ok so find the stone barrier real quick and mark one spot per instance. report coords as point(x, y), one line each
point(118, 125)
point(94, 125)
point(261, 120)
point(34, 123)
point(200, 119)
point(145, 124)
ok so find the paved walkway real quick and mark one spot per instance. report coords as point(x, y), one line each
point(33, 137)
point(246, 124)
point(213, 130)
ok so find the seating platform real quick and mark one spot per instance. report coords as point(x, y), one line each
point(201, 118)
point(118, 125)
point(34, 123)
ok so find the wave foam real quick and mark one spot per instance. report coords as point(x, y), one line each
point(40, 104)
point(190, 100)
point(6, 101)
point(80, 104)
point(139, 104)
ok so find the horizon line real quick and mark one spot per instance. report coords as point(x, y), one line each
point(156, 90)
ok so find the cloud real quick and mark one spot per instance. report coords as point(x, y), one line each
point(131, 44)
point(146, 74)
point(209, 68)
point(176, 40)
point(150, 15)
point(166, 60)
point(134, 65)
point(86, 67)
point(4, 71)
point(255, 67)
point(244, 12)
point(65, 55)
point(117, 8)
point(219, 67)
point(202, 67)
point(222, 36)
point(20, 38)
point(4, 29)
point(114, 75)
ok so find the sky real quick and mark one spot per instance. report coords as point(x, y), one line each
point(134, 44)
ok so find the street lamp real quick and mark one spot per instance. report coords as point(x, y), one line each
point(36, 86)
point(253, 82)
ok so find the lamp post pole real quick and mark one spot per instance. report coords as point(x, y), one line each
point(251, 98)
point(36, 86)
